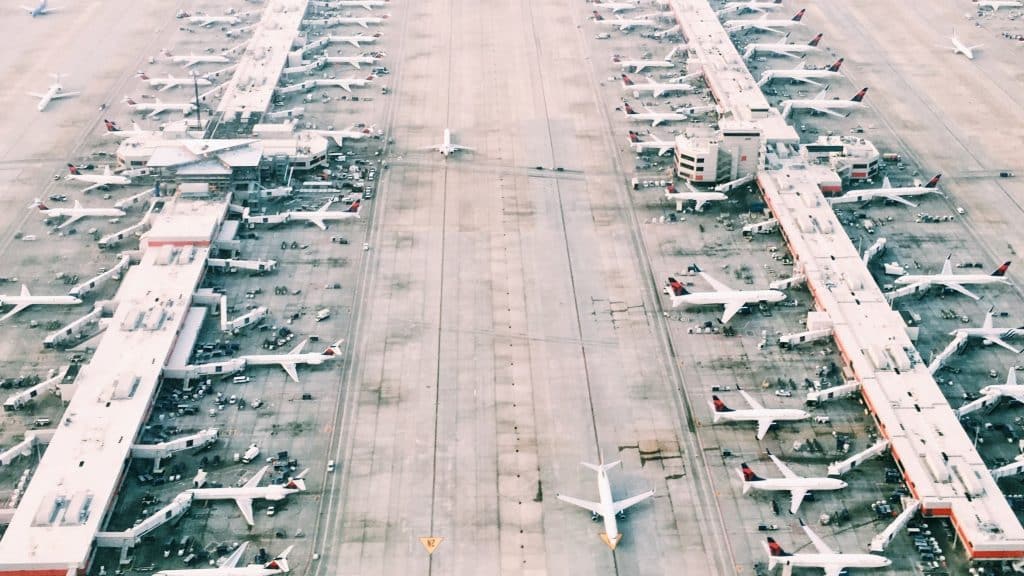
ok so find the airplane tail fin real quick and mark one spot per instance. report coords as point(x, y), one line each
point(814, 41)
point(142, 75)
point(602, 467)
point(72, 169)
point(629, 109)
point(626, 81)
point(799, 15)
point(633, 136)
point(37, 203)
point(719, 407)
point(835, 66)
point(775, 551)
point(859, 96)
point(280, 562)
point(934, 182)
point(111, 125)
point(354, 208)
point(748, 476)
point(597, 16)
point(677, 287)
point(129, 101)
point(1001, 271)
point(334, 349)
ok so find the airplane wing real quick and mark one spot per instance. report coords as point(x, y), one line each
point(17, 308)
point(717, 285)
point(832, 570)
point(807, 81)
point(796, 498)
point(621, 505)
point(594, 507)
point(947, 266)
point(763, 425)
point(71, 220)
point(750, 400)
point(959, 288)
point(60, 95)
point(232, 560)
point(256, 478)
point(319, 222)
point(1000, 342)
point(783, 468)
point(731, 308)
point(354, 42)
point(344, 86)
point(886, 183)
point(825, 110)
point(900, 199)
point(766, 29)
point(36, 95)
point(245, 506)
point(467, 148)
point(819, 544)
point(289, 368)
point(91, 187)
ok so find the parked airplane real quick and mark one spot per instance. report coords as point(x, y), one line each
point(353, 61)
point(446, 147)
point(115, 131)
point(26, 299)
point(652, 143)
point(194, 59)
point(368, 4)
point(888, 192)
point(607, 508)
point(761, 6)
point(639, 66)
point(290, 360)
point(803, 74)
point(363, 21)
point(824, 105)
point(948, 279)
point(164, 84)
point(699, 198)
point(797, 486)
point(960, 48)
point(625, 24)
point(657, 89)
point(346, 84)
point(784, 48)
point(229, 567)
point(617, 7)
point(764, 417)
point(323, 215)
point(251, 490)
point(97, 180)
point(995, 5)
point(157, 107)
point(54, 92)
point(733, 300)
point(76, 213)
point(355, 40)
point(207, 21)
point(990, 334)
point(339, 136)
point(41, 9)
point(655, 118)
point(833, 563)
point(764, 24)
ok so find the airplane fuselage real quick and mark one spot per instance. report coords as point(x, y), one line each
point(867, 195)
point(639, 65)
point(250, 570)
point(720, 298)
point(604, 490)
point(799, 75)
point(962, 279)
point(961, 48)
point(310, 358)
point(1012, 391)
point(273, 493)
point(38, 300)
point(833, 561)
point(752, 415)
point(787, 484)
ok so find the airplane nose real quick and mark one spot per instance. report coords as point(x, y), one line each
point(842, 484)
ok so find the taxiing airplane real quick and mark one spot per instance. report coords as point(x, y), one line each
point(784, 48)
point(41, 9)
point(639, 66)
point(96, 180)
point(888, 192)
point(207, 21)
point(824, 105)
point(295, 357)
point(990, 334)
point(995, 5)
point(833, 563)
point(652, 143)
point(158, 107)
point(761, 6)
point(230, 567)
point(655, 118)
point(195, 59)
point(164, 84)
point(26, 299)
point(764, 24)
point(617, 7)
point(446, 147)
point(948, 279)
point(76, 213)
point(803, 74)
point(797, 486)
point(367, 4)
point(251, 490)
point(696, 196)
point(625, 24)
point(733, 300)
point(764, 417)
point(607, 508)
point(321, 216)
point(960, 48)
point(54, 92)
point(657, 89)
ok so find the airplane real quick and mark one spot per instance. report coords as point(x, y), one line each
point(825, 106)
point(194, 59)
point(888, 192)
point(989, 334)
point(960, 48)
point(764, 417)
point(41, 9)
point(1010, 389)
point(164, 84)
point(339, 136)
point(802, 74)
point(207, 21)
point(700, 199)
point(26, 299)
point(654, 117)
point(653, 143)
point(764, 24)
point(833, 563)
point(607, 508)
point(76, 213)
point(97, 180)
point(355, 40)
point(953, 281)
point(995, 5)
point(251, 490)
point(446, 148)
point(323, 215)
point(625, 24)
point(345, 84)
point(54, 92)
point(157, 107)
point(797, 486)
point(784, 48)
point(617, 7)
point(761, 6)
point(115, 131)
point(362, 21)
point(657, 89)
point(294, 357)
point(733, 300)
point(368, 4)
point(354, 61)
point(229, 567)
point(639, 65)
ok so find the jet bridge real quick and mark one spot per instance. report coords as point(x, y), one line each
point(19, 399)
point(910, 507)
point(954, 346)
point(877, 248)
point(986, 401)
point(24, 448)
point(75, 330)
point(247, 319)
point(101, 279)
point(129, 538)
point(844, 466)
point(165, 449)
point(834, 392)
point(787, 283)
point(115, 238)
point(251, 265)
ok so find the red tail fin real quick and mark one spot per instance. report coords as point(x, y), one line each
point(129, 101)
point(748, 474)
point(628, 108)
point(72, 169)
point(354, 207)
point(1001, 271)
point(626, 80)
point(934, 182)
point(633, 136)
point(719, 405)
point(814, 41)
point(835, 67)
point(799, 15)
point(670, 189)
point(677, 287)
point(775, 549)
point(142, 75)
point(597, 16)
point(860, 95)
point(111, 126)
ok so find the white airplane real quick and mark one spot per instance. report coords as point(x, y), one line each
point(655, 118)
point(960, 48)
point(251, 490)
point(764, 417)
point(229, 567)
point(158, 107)
point(639, 66)
point(41, 9)
point(995, 5)
point(345, 84)
point(625, 24)
point(367, 4)
point(1010, 389)
point(733, 300)
point(207, 21)
point(295, 357)
point(76, 213)
point(617, 7)
point(657, 89)
point(887, 191)
point(948, 279)
point(194, 59)
point(355, 40)
point(115, 131)
point(97, 180)
point(761, 6)
point(989, 334)
point(339, 136)
point(803, 74)
point(833, 563)
point(824, 105)
point(607, 508)
point(652, 143)
point(353, 61)
point(363, 21)
point(698, 197)
point(164, 84)
point(764, 24)
point(323, 215)
point(26, 299)
point(54, 92)
point(784, 48)
point(797, 486)
point(446, 147)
